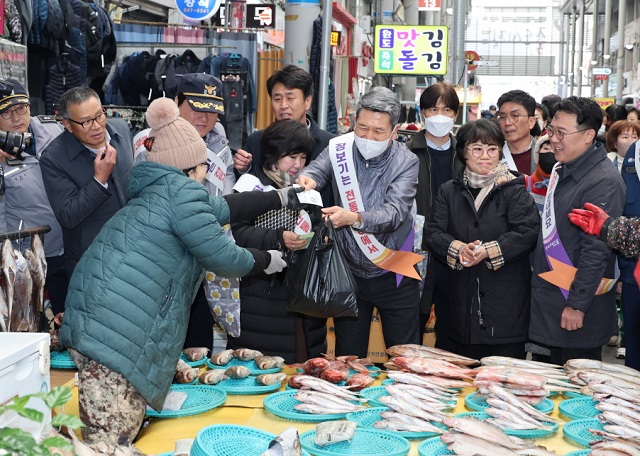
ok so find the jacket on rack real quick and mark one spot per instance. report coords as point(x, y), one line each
point(314, 69)
point(62, 77)
point(81, 204)
point(186, 63)
point(226, 63)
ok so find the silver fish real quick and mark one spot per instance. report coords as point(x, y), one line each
point(195, 353)
point(237, 372)
point(484, 431)
point(38, 250)
point(246, 354)
point(582, 364)
point(324, 386)
point(222, 358)
point(212, 377)
point(325, 400)
point(401, 422)
point(270, 379)
point(22, 289)
point(616, 446)
point(407, 408)
point(323, 409)
point(4, 311)
point(37, 292)
point(502, 393)
point(182, 365)
point(469, 445)
point(9, 271)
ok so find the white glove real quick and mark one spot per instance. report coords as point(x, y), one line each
point(276, 264)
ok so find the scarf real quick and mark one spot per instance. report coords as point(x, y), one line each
point(486, 182)
point(280, 178)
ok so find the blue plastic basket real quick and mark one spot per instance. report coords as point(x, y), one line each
point(367, 418)
point(579, 408)
point(370, 442)
point(573, 395)
point(246, 386)
point(433, 447)
point(478, 402)
point(193, 363)
point(522, 433)
point(62, 360)
point(374, 392)
point(200, 399)
point(251, 365)
point(282, 404)
point(231, 440)
point(578, 431)
point(579, 453)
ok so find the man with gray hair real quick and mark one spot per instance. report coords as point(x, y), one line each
point(85, 170)
point(376, 179)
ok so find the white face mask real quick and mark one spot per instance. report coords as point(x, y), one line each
point(370, 148)
point(541, 124)
point(439, 125)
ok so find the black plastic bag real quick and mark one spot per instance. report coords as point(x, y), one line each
point(324, 286)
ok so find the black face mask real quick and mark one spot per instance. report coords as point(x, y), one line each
point(546, 161)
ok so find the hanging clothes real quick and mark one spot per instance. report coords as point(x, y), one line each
point(62, 76)
point(187, 63)
point(314, 70)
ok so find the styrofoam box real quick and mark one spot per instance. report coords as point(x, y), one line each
point(24, 369)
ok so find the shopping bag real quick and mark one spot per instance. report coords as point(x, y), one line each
point(324, 286)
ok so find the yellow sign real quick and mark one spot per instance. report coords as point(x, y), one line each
point(411, 49)
point(335, 38)
point(474, 94)
point(605, 102)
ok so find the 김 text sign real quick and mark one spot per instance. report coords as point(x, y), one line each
point(410, 49)
point(198, 10)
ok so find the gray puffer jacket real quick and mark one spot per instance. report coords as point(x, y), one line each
point(388, 185)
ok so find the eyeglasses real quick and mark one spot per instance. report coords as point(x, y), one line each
point(551, 131)
point(89, 123)
point(20, 110)
point(477, 151)
point(514, 117)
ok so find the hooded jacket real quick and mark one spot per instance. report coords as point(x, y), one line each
point(131, 293)
point(501, 295)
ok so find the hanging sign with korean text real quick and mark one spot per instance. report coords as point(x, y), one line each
point(410, 49)
point(198, 10)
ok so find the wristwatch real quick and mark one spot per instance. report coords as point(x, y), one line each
point(358, 223)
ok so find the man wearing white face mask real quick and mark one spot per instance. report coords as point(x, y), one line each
point(376, 180)
point(435, 148)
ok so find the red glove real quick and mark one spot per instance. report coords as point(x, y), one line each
point(589, 220)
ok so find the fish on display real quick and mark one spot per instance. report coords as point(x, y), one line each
point(186, 375)
point(313, 366)
point(9, 271)
point(335, 376)
point(37, 292)
point(614, 445)
point(318, 384)
point(268, 362)
point(212, 377)
point(38, 250)
point(246, 354)
point(22, 289)
point(237, 372)
point(323, 403)
point(397, 421)
point(468, 445)
point(182, 365)
point(358, 382)
point(423, 351)
point(429, 381)
point(434, 367)
point(485, 431)
point(222, 358)
point(330, 432)
point(4, 311)
point(270, 379)
point(195, 353)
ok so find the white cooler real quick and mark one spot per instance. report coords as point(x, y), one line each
point(24, 369)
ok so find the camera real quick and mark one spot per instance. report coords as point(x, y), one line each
point(14, 143)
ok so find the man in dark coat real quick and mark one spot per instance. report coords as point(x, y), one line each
point(85, 170)
point(573, 308)
point(291, 92)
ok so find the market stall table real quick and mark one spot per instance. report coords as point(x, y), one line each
point(248, 410)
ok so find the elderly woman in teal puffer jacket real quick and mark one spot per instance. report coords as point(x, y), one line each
point(130, 295)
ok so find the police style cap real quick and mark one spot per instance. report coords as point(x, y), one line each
point(11, 93)
point(202, 91)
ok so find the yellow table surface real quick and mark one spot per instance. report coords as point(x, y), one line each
point(247, 410)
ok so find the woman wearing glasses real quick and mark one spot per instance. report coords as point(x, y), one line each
point(484, 225)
